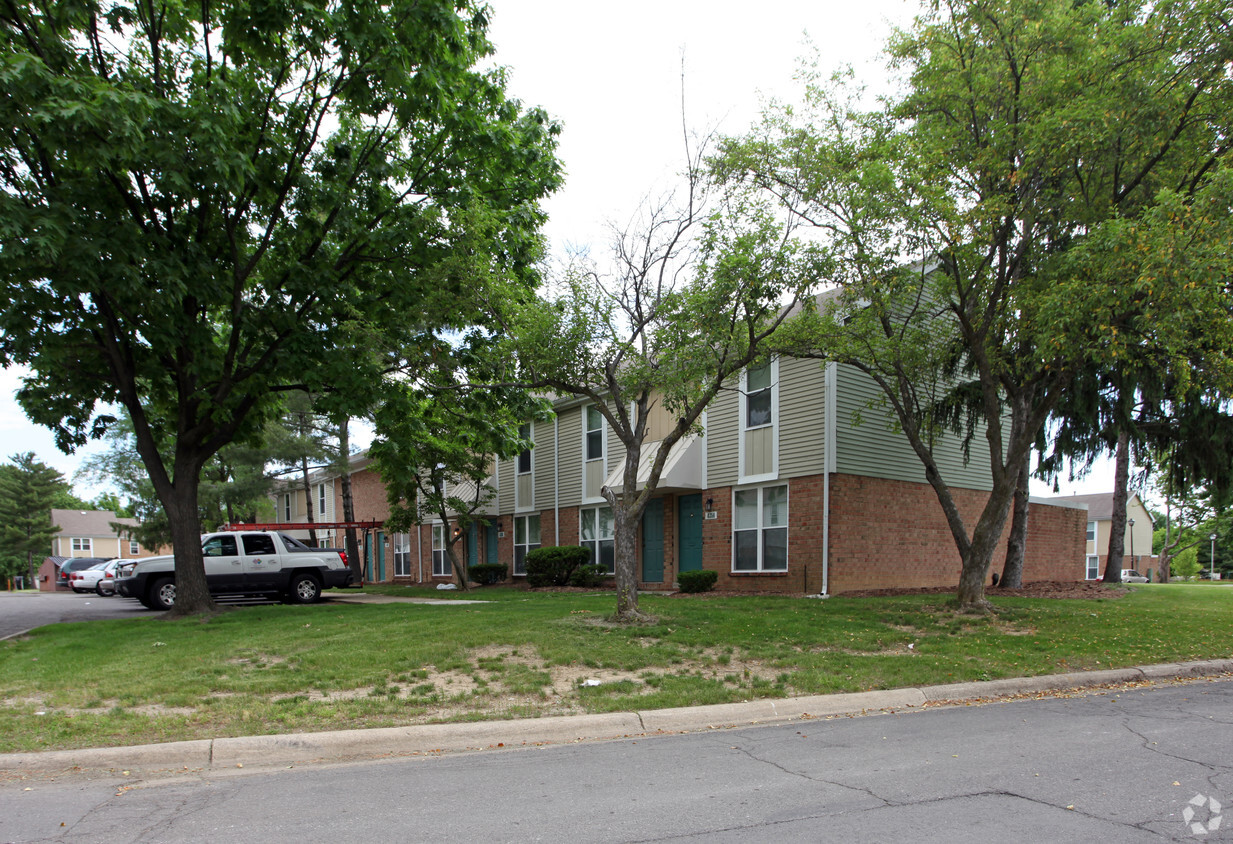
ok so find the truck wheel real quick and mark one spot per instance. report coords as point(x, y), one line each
point(163, 593)
point(304, 589)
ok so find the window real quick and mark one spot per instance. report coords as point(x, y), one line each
point(760, 529)
point(1093, 566)
point(441, 566)
point(219, 546)
point(1091, 531)
point(597, 535)
point(526, 539)
point(256, 544)
point(594, 433)
point(402, 555)
point(524, 456)
point(321, 499)
point(133, 548)
point(82, 546)
point(286, 506)
point(758, 397)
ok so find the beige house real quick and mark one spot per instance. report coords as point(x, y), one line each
point(89, 533)
point(1137, 545)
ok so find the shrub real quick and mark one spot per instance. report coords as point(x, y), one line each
point(486, 574)
point(697, 581)
point(555, 565)
point(588, 576)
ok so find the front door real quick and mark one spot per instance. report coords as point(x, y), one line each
point(490, 534)
point(653, 542)
point(380, 555)
point(368, 557)
point(690, 531)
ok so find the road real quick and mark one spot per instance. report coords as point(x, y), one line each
point(1102, 767)
point(22, 611)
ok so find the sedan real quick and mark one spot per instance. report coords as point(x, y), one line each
point(75, 564)
point(107, 583)
point(84, 580)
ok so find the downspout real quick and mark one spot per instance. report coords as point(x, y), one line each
point(419, 550)
point(828, 466)
point(556, 476)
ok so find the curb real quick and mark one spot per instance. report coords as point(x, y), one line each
point(264, 752)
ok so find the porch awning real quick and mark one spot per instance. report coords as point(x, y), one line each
point(467, 492)
point(682, 470)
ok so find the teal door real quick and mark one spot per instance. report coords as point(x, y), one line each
point(473, 545)
point(690, 521)
point(368, 557)
point(653, 542)
point(490, 553)
point(380, 557)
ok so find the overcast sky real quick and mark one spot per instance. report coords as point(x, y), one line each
point(612, 75)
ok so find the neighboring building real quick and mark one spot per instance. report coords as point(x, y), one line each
point(89, 533)
point(782, 492)
point(1137, 546)
point(323, 500)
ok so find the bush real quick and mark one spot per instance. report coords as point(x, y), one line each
point(588, 576)
point(486, 574)
point(555, 565)
point(697, 581)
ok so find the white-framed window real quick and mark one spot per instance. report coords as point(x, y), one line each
point(1091, 531)
point(1093, 566)
point(760, 529)
point(441, 566)
point(83, 546)
point(402, 555)
point(759, 397)
point(134, 548)
point(524, 456)
point(286, 506)
point(526, 540)
point(593, 434)
point(596, 530)
point(321, 499)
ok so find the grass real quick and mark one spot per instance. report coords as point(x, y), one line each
point(278, 669)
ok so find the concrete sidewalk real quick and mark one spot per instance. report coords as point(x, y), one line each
point(222, 755)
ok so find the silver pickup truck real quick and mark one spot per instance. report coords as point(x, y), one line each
point(248, 563)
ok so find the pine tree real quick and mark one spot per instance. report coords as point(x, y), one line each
point(28, 489)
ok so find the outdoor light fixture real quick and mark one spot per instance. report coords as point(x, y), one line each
point(710, 504)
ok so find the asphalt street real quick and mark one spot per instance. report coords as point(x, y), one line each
point(1141, 764)
point(22, 611)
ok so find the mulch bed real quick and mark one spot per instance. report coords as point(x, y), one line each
point(1044, 589)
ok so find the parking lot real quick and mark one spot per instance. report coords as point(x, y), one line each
point(22, 611)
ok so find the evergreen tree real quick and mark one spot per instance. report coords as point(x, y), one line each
point(28, 491)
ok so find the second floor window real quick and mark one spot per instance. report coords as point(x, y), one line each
point(524, 456)
point(82, 545)
point(595, 434)
point(758, 397)
point(321, 499)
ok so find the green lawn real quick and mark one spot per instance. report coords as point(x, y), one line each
point(276, 669)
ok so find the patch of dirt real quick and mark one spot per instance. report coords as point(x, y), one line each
point(1088, 590)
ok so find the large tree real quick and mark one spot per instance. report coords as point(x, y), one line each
point(1032, 140)
point(28, 492)
point(204, 204)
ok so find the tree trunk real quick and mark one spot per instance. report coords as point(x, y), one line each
point(192, 592)
point(979, 556)
point(625, 550)
point(1016, 544)
point(308, 502)
point(351, 543)
point(1117, 525)
point(459, 563)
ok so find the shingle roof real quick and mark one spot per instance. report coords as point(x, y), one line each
point(87, 522)
point(1099, 505)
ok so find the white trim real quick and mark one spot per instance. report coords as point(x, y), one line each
point(772, 475)
point(828, 466)
point(604, 433)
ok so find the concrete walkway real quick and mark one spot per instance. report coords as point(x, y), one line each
point(228, 755)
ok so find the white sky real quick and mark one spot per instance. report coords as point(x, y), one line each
point(611, 74)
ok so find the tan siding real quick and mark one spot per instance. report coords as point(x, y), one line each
point(878, 449)
point(659, 422)
point(525, 485)
point(545, 464)
point(571, 456)
point(760, 451)
point(595, 476)
point(802, 423)
point(505, 486)
point(721, 438)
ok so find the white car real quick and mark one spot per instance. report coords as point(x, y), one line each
point(1132, 576)
point(84, 580)
point(107, 583)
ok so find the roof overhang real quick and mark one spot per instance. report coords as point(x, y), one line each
point(682, 470)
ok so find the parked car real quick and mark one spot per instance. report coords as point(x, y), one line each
point(1132, 576)
point(107, 583)
point(73, 564)
point(84, 580)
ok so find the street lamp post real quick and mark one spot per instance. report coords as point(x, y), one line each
point(1212, 574)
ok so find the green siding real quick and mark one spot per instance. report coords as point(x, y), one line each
point(543, 461)
point(802, 417)
point(571, 457)
point(878, 449)
point(722, 424)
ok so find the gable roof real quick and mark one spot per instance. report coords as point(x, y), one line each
point(1100, 504)
point(87, 522)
